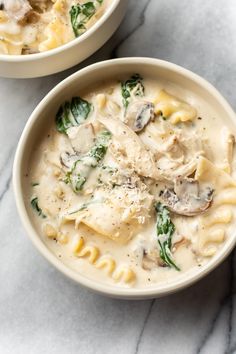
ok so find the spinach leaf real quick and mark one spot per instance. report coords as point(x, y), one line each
point(99, 150)
point(81, 169)
point(80, 109)
point(165, 230)
point(72, 114)
point(79, 15)
point(134, 83)
point(35, 205)
point(77, 176)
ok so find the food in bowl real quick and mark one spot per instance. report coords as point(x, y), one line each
point(33, 26)
point(133, 184)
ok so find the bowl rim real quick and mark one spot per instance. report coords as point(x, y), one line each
point(66, 46)
point(153, 291)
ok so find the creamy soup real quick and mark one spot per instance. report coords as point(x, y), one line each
point(33, 26)
point(133, 184)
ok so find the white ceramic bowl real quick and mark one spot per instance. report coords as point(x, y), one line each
point(45, 113)
point(69, 54)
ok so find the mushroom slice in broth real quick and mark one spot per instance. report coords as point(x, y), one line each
point(186, 198)
point(151, 259)
point(68, 160)
point(139, 114)
point(82, 137)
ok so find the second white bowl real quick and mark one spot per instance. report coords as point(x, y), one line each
point(67, 55)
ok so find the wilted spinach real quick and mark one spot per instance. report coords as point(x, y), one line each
point(134, 83)
point(80, 14)
point(165, 230)
point(72, 114)
point(35, 205)
point(81, 169)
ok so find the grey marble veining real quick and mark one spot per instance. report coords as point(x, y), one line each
point(43, 312)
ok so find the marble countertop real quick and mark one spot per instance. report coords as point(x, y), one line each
point(42, 312)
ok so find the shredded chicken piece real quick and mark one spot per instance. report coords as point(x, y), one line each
point(16, 9)
point(130, 150)
point(175, 152)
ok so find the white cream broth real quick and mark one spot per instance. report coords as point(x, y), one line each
point(32, 26)
point(134, 190)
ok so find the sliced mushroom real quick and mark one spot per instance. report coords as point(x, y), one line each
point(139, 114)
point(186, 198)
point(183, 241)
point(30, 17)
point(42, 4)
point(130, 149)
point(82, 137)
point(27, 50)
point(151, 260)
point(68, 159)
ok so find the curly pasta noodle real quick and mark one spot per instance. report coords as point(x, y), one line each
point(211, 225)
point(117, 273)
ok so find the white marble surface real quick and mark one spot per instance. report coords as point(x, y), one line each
point(43, 312)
